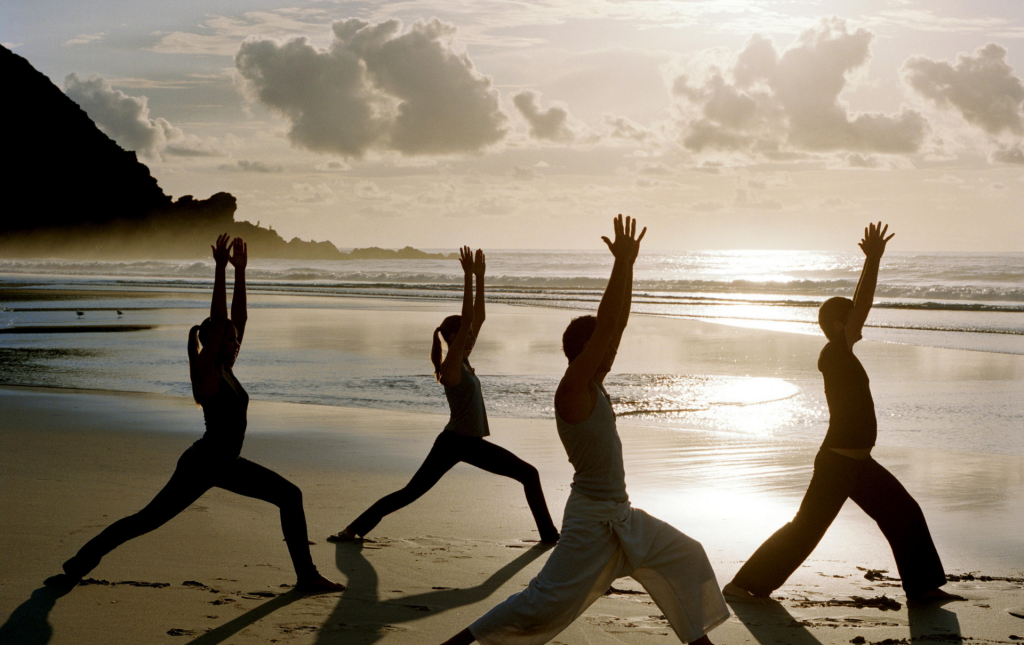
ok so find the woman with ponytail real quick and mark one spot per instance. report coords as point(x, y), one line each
point(213, 460)
point(463, 437)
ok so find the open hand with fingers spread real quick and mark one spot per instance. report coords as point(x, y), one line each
point(626, 245)
point(479, 263)
point(239, 253)
point(466, 260)
point(221, 254)
point(875, 240)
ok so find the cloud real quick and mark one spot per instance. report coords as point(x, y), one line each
point(743, 200)
point(765, 102)
point(981, 87)
point(1009, 154)
point(309, 194)
point(222, 34)
point(620, 127)
point(550, 124)
point(126, 120)
point(377, 87)
point(525, 173)
point(945, 179)
point(369, 190)
point(84, 39)
point(333, 165)
point(250, 166)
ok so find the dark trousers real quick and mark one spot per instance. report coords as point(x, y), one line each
point(882, 497)
point(449, 449)
point(196, 473)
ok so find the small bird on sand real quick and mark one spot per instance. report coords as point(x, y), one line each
point(80, 313)
point(118, 312)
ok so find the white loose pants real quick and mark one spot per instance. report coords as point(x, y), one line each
point(602, 541)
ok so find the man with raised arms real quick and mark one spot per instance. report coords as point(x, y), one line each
point(603, 537)
point(844, 468)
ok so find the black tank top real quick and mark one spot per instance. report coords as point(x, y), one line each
point(851, 409)
point(224, 413)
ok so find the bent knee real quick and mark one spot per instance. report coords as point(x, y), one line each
point(289, 495)
point(528, 474)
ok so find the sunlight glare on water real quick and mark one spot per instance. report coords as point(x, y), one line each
point(756, 406)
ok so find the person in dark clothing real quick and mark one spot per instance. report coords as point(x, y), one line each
point(844, 468)
point(213, 460)
point(463, 437)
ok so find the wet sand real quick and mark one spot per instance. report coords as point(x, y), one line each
point(73, 461)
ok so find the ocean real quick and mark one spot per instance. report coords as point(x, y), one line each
point(312, 340)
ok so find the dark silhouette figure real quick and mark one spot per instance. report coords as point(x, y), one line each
point(603, 537)
point(844, 468)
point(29, 624)
point(214, 459)
point(463, 438)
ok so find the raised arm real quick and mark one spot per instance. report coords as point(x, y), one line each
point(239, 258)
point(202, 363)
point(873, 246)
point(627, 303)
point(451, 367)
point(479, 313)
point(572, 400)
point(221, 255)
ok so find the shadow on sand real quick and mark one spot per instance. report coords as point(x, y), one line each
point(29, 624)
point(360, 616)
point(770, 623)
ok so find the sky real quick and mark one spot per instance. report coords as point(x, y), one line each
point(719, 124)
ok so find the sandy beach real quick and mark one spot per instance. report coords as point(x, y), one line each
point(73, 460)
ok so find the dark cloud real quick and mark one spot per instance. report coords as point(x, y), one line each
point(250, 166)
point(550, 124)
point(1009, 154)
point(377, 87)
point(126, 120)
point(769, 102)
point(981, 87)
point(620, 127)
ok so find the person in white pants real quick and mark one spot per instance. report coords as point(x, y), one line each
point(603, 537)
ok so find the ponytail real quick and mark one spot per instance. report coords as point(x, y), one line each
point(193, 353)
point(448, 329)
point(435, 354)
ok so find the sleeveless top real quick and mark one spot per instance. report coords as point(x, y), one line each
point(224, 413)
point(851, 409)
point(595, 452)
point(466, 402)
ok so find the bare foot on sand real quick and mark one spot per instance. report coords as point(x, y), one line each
point(348, 535)
point(934, 596)
point(318, 584)
point(736, 593)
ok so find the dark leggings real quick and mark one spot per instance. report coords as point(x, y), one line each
point(879, 494)
point(449, 449)
point(196, 473)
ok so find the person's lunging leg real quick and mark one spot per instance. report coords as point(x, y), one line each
point(774, 561)
point(253, 480)
point(188, 483)
point(495, 459)
point(441, 458)
point(902, 522)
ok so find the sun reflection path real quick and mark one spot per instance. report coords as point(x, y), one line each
point(757, 406)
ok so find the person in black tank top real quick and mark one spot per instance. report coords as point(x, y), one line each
point(844, 469)
point(213, 460)
point(463, 438)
